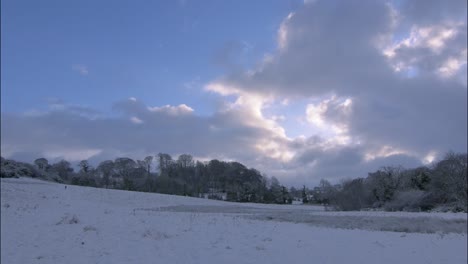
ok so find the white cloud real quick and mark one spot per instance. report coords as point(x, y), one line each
point(181, 109)
point(283, 32)
point(437, 48)
point(136, 120)
point(81, 69)
point(452, 65)
point(315, 114)
point(221, 88)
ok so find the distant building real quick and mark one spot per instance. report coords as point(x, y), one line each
point(214, 194)
point(297, 201)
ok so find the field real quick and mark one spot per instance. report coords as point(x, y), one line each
point(43, 222)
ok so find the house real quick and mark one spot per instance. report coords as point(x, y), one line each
point(215, 194)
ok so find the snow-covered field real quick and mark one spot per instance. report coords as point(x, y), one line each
point(42, 222)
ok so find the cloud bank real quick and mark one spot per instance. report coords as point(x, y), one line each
point(367, 83)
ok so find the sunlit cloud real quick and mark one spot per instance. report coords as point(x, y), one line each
point(430, 157)
point(383, 152)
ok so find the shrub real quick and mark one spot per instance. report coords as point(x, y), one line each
point(406, 201)
point(352, 196)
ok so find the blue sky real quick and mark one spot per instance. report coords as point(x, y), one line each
point(158, 51)
point(300, 90)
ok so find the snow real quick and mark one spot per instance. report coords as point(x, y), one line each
point(42, 222)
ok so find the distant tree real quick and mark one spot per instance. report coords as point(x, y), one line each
point(285, 196)
point(42, 163)
point(63, 169)
point(148, 160)
point(415, 179)
point(200, 177)
point(124, 167)
point(14, 169)
point(75, 180)
point(216, 170)
point(106, 168)
point(442, 184)
point(185, 161)
point(276, 190)
point(325, 192)
point(293, 191)
point(148, 185)
point(141, 164)
point(449, 180)
point(305, 199)
point(165, 162)
point(352, 196)
point(384, 183)
point(84, 166)
point(128, 184)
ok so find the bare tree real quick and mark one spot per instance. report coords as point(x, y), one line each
point(450, 179)
point(148, 160)
point(384, 183)
point(85, 167)
point(165, 161)
point(326, 192)
point(185, 161)
point(106, 168)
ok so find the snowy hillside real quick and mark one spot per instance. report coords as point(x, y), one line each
point(42, 222)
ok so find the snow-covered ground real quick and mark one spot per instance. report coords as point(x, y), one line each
point(42, 222)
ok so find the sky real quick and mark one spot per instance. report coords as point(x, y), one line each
point(300, 90)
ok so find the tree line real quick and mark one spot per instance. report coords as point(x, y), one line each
point(231, 181)
point(442, 185)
